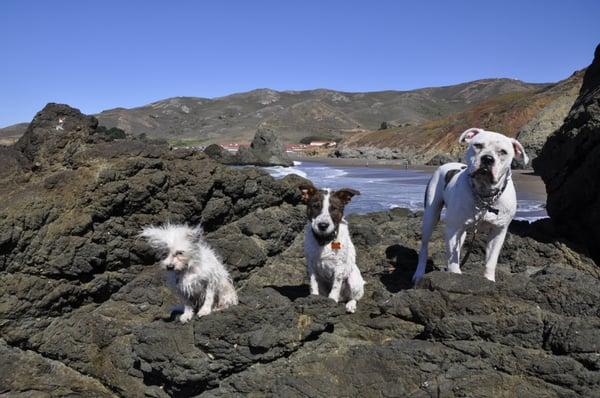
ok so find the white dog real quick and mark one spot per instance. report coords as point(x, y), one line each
point(330, 254)
point(194, 271)
point(479, 195)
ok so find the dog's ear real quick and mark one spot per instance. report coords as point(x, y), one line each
point(153, 236)
point(519, 151)
point(307, 191)
point(195, 234)
point(468, 135)
point(345, 194)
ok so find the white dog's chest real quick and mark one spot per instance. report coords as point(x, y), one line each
point(331, 262)
point(328, 261)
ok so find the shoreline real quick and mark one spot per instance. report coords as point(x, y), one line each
point(528, 185)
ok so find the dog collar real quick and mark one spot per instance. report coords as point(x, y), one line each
point(324, 240)
point(485, 202)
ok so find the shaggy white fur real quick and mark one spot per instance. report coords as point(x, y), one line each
point(194, 271)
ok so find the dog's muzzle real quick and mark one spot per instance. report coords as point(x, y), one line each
point(322, 226)
point(487, 160)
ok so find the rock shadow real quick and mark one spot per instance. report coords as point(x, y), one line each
point(545, 231)
point(292, 292)
point(402, 263)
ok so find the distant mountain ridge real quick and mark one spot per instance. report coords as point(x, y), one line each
point(299, 114)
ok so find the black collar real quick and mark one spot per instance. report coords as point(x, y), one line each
point(485, 202)
point(324, 240)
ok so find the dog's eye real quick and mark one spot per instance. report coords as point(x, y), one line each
point(502, 152)
point(179, 253)
point(478, 146)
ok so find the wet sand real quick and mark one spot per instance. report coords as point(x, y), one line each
point(529, 185)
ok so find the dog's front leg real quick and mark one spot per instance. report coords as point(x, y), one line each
point(312, 280)
point(209, 299)
point(188, 311)
point(336, 288)
point(455, 238)
point(492, 251)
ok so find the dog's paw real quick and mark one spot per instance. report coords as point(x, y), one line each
point(454, 268)
point(186, 316)
point(491, 277)
point(203, 312)
point(351, 306)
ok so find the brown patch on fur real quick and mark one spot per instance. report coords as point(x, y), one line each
point(345, 194)
point(336, 209)
point(338, 200)
point(307, 191)
point(314, 203)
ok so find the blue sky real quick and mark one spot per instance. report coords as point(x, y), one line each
point(96, 55)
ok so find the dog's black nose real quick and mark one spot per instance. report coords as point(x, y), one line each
point(323, 226)
point(170, 267)
point(487, 160)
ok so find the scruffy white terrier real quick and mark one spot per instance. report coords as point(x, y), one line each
point(194, 271)
point(330, 254)
point(479, 196)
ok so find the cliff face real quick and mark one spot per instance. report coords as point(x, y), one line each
point(569, 163)
point(535, 133)
point(84, 310)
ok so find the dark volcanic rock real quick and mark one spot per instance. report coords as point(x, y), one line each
point(84, 311)
point(218, 153)
point(569, 163)
point(265, 150)
point(55, 133)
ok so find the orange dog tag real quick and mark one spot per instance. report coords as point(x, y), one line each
point(336, 245)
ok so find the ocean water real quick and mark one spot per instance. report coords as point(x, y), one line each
point(384, 188)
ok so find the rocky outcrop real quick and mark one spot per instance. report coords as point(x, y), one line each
point(84, 310)
point(569, 164)
point(535, 133)
point(265, 150)
point(218, 153)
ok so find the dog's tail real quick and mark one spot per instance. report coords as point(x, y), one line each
point(227, 295)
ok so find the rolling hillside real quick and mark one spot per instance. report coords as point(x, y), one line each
point(298, 114)
point(510, 113)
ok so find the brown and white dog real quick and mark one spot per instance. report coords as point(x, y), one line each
point(330, 254)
